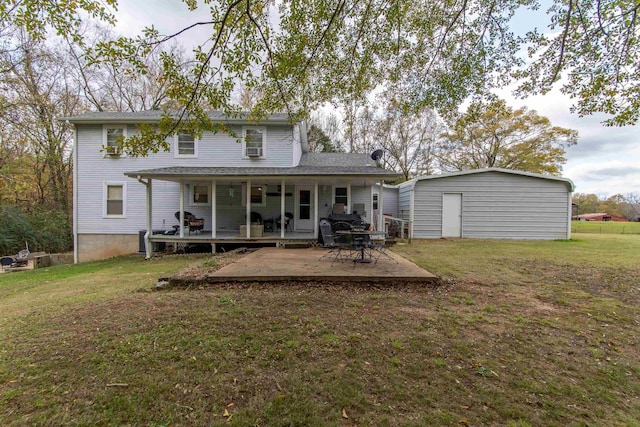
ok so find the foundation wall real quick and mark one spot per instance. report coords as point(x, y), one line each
point(92, 247)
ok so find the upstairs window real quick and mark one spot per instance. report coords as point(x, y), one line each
point(185, 145)
point(114, 200)
point(254, 142)
point(112, 138)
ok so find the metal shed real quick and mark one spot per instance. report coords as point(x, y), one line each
point(488, 204)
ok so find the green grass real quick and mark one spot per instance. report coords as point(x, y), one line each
point(522, 334)
point(605, 227)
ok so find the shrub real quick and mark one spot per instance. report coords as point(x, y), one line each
point(44, 230)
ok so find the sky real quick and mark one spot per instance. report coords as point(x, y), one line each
point(606, 160)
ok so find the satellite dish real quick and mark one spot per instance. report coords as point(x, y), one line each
point(377, 155)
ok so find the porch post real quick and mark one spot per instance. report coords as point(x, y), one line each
point(181, 209)
point(214, 224)
point(147, 242)
point(316, 218)
point(381, 206)
point(248, 203)
point(282, 208)
point(349, 198)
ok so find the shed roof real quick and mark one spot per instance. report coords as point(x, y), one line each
point(567, 181)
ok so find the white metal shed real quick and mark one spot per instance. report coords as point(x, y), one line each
point(488, 204)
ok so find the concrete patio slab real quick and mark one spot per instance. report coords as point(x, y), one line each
point(281, 264)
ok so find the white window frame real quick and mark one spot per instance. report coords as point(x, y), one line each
point(105, 128)
point(105, 193)
point(176, 151)
point(348, 196)
point(264, 195)
point(192, 188)
point(262, 129)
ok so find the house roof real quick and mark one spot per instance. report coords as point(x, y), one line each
point(413, 181)
point(101, 117)
point(311, 164)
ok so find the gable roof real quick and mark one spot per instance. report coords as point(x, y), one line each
point(100, 117)
point(567, 181)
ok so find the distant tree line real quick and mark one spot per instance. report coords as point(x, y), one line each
point(622, 205)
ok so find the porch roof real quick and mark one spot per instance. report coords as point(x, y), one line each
point(343, 165)
point(178, 172)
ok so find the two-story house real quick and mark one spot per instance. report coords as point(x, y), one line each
point(267, 173)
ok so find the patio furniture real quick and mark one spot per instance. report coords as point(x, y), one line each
point(288, 221)
point(346, 218)
point(360, 243)
point(338, 244)
point(269, 225)
point(255, 218)
point(190, 220)
point(257, 230)
point(6, 261)
point(378, 246)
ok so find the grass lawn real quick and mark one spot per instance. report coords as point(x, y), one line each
point(520, 334)
point(605, 227)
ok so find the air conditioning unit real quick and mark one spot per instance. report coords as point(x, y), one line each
point(113, 150)
point(254, 151)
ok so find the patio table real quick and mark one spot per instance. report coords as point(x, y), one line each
point(360, 240)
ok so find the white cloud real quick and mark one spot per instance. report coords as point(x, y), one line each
point(605, 161)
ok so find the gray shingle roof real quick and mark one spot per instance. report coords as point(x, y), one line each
point(156, 115)
point(337, 159)
point(185, 171)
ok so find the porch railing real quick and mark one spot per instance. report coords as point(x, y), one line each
point(406, 228)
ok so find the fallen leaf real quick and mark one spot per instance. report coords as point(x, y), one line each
point(464, 422)
point(226, 413)
point(344, 414)
point(231, 405)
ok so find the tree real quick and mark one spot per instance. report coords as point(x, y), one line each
point(324, 133)
point(632, 206)
point(36, 92)
point(495, 135)
point(433, 54)
point(409, 141)
point(587, 203)
point(594, 45)
point(110, 86)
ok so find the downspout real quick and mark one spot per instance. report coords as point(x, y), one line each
point(147, 242)
point(316, 215)
point(74, 212)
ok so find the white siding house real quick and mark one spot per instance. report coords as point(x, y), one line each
point(488, 203)
point(225, 180)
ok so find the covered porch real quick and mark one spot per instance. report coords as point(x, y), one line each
point(266, 207)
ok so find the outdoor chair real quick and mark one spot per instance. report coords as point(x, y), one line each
point(288, 221)
point(255, 218)
point(190, 220)
point(339, 245)
point(378, 246)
